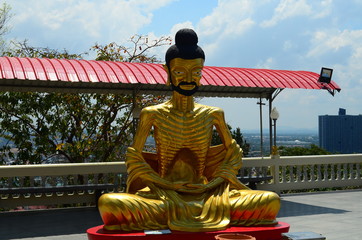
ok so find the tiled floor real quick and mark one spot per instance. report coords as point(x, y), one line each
point(335, 215)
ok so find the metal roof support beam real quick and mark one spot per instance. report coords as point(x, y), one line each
point(273, 95)
point(276, 92)
point(270, 124)
point(260, 103)
point(135, 112)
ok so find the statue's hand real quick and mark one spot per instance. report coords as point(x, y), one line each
point(158, 182)
point(193, 188)
point(199, 187)
point(177, 185)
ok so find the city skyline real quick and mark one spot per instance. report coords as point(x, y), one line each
point(285, 34)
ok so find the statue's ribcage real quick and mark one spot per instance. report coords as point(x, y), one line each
point(173, 133)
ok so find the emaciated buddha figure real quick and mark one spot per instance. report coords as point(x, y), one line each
point(187, 185)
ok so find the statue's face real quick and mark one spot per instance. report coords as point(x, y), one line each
point(186, 74)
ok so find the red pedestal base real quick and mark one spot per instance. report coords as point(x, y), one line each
point(260, 233)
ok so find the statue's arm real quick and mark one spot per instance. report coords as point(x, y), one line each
point(226, 138)
point(233, 159)
point(222, 127)
point(143, 129)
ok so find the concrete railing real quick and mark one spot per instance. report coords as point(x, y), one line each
point(289, 173)
point(307, 172)
point(34, 185)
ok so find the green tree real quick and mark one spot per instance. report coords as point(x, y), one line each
point(22, 49)
point(237, 135)
point(300, 151)
point(75, 127)
point(138, 50)
point(5, 16)
point(239, 138)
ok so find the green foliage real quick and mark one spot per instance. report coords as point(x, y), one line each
point(239, 138)
point(237, 135)
point(79, 127)
point(5, 16)
point(138, 52)
point(300, 151)
point(22, 49)
point(39, 127)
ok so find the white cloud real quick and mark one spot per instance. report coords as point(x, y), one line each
point(228, 21)
point(324, 10)
point(287, 9)
point(325, 41)
point(179, 26)
point(109, 20)
point(287, 45)
point(229, 17)
point(292, 8)
point(344, 50)
point(351, 38)
point(269, 63)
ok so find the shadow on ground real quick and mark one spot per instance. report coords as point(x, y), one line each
point(291, 209)
point(42, 223)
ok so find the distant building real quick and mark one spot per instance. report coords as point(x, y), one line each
point(341, 133)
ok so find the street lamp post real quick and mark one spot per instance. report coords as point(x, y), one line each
point(274, 115)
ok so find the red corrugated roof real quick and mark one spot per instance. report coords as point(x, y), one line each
point(41, 74)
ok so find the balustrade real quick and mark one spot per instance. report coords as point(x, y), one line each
point(58, 184)
point(309, 172)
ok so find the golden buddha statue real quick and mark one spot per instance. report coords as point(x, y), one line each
point(187, 185)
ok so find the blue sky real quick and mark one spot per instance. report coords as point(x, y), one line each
point(274, 34)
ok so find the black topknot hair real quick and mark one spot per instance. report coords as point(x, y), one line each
point(185, 46)
point(186, 36)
